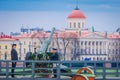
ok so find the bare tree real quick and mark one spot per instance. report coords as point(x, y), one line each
point(66, 37)
point(56, 36)
point(40, 36)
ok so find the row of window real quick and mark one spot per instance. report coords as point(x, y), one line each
point(99, 58)
point(83, 43)
point(96, 51)
point(97, 43)
point(76, 25)
point(4, 47)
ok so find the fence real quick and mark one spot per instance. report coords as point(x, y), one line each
point(104, 70)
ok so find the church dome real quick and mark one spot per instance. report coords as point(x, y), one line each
point(76, 14)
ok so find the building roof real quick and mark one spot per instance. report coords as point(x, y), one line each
point(76, 13)
point(4, 37)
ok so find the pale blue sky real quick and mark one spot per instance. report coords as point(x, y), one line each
point(104, 15)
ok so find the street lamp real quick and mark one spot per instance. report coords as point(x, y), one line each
point(20, 50)
point(29, 48)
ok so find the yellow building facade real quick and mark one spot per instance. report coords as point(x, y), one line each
point(6, 46)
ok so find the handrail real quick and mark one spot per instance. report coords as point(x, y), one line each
point(103, 68)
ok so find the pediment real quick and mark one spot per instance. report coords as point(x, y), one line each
point(95, 35)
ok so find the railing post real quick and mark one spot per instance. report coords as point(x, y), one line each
point(85, 64)
point(33, 69)
point(94, 68)
point(70, 64)
point(0, 65)
point(7, 69)
point(58, 70)
point(24, 66)
point(117, 72)
point(104, 73)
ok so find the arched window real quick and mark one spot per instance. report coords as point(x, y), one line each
point(79, 25)
point(74, 25)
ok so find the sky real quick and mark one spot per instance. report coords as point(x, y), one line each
point(104, 15)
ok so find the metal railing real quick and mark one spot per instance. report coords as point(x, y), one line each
point(103, 70)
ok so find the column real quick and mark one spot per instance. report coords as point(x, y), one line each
point(91, 47)
point(98, 47)
point(102, 47)
point(95, 47)
point(106, 47)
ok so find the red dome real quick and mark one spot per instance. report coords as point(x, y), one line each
point(76, 14)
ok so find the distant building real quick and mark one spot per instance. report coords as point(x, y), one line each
point(6, 45)
point(74, 43)
point(76, 20)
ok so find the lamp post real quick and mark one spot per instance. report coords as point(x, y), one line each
point(29, 48)
point(20, 50)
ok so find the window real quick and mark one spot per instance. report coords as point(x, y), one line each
point(81, 51)
point(92, 43)
point(35, 43)
point(74, 25)
point(60, 42)
point(81, 42)
point(92, 51)
point(100, 51)
point(82, 58)
point(85, 42)
point(113, 51)
point(72, 50)
point(100, 43)
point(83, 24)
point(24, 50)
point(97, 43)
point(89, 50)
point(96, 51)
point(116, 51)
point(29, 43)
point(78, 25)
point(71, 43)
point(105, 58)
point(77, 43)
point(116, 44)
point(89, 43)
point(6, 47)
point(113, 44)
point(24, 43)
point(70, 25)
